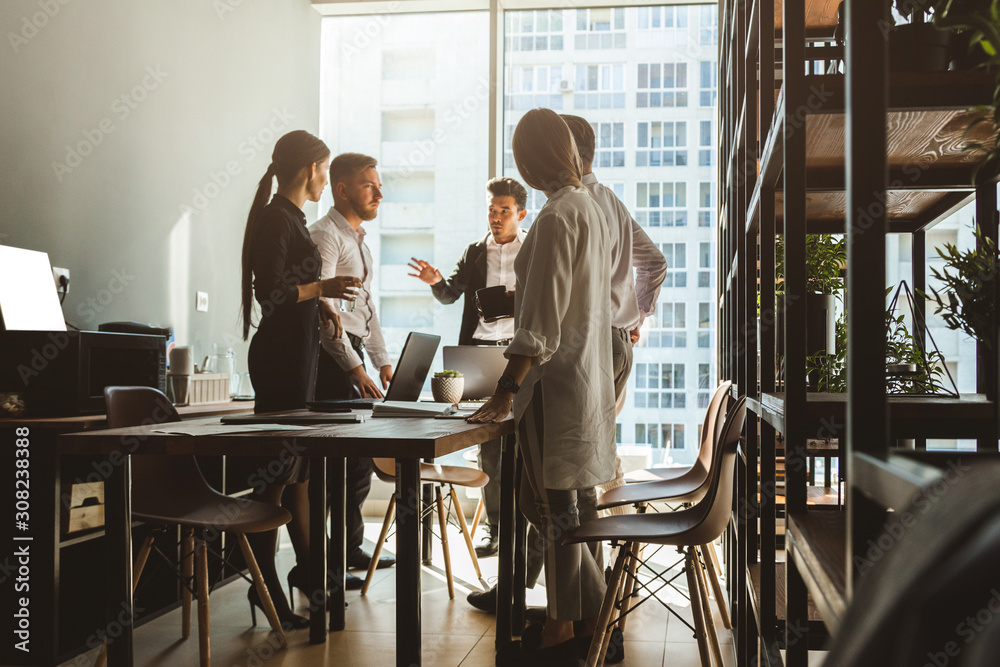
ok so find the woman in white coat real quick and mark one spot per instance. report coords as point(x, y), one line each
point(558, 381)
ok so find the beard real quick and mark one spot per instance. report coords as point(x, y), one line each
point(365, 214)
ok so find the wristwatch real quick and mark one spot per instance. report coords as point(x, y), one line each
point(506, 383)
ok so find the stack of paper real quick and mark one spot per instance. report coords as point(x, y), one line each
point(411, 409)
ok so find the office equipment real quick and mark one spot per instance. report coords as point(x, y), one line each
point(411, 409)
point(28, 297)
point(65, 373)
point(481, 366)
point(407, 380)
point(300, 418)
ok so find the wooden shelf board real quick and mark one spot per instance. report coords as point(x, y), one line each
point(821, 16)
point(817, 543)
point(913, 416)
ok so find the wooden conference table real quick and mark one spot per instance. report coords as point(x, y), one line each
point(408, 440)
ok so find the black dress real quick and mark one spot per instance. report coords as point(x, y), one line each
point(285, 348)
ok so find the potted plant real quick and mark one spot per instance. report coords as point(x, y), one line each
point(826, 257)
point(964, 301)
point(447, 386)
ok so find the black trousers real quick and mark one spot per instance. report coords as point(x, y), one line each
point(332, 382)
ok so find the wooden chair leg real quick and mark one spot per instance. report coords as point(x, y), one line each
point(465, 532)
point(633, 569)
point(390, 514)
point(443, 522)
point(204, 647)
point(187, 572)
point(690, 568)
point(140, 563)
point(480, 507)
point(708, 553)
point(628, 550)
point(262, 592)
point(706, 609)
point(597, 643)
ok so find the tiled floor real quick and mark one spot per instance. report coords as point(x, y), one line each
point(454, 633)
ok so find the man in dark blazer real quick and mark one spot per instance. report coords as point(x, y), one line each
point(485, 263)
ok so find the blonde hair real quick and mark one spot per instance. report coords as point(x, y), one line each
point(545, 151)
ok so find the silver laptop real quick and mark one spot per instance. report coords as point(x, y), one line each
point(481, 366)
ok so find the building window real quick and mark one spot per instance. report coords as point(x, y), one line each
point(610, 144)
point(661, 204)
point(535, 30)
point(535, 86)
point(662, 85)
point(704, 378)
point(708, 25)
point(665, 436)
point(654, 18)
point(705, 204)
point(705, 262)
point(704, 330)
point(600, 28)
point(659, 386)
point(599, 87)
point(705, 142)
point(708, 83)
point(669, 327)
point(618, 433)
point(658, 143)
point(676, 265)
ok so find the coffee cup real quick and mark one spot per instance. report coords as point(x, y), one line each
point(493, 304)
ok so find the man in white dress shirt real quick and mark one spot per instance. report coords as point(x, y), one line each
point(633, 296)
point(487, 262)
point(340, 238)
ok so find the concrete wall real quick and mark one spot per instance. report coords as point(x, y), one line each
point(133, 136)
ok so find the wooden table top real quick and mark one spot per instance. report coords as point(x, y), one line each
point(82, 422)
point(389, 437)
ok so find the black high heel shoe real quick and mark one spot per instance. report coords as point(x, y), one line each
point(289, 620)
point(298, 577)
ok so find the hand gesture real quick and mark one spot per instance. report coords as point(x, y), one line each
point(424, 271)
point(329, 318)
point(340, 287)
point(634, 336)
point(494, 410)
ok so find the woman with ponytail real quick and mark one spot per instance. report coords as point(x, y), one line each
point(281, 269)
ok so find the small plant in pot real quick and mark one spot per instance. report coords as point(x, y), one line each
point(826, 257)
point(965, 301)
point(447, 386)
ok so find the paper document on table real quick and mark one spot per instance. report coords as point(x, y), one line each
point(223, 429)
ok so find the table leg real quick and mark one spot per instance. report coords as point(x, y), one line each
point(317, 550)
point(520, 547)
point(408, 562)
point(118, 566)
point(427, 543)
point(337, 565)
point(505, 557)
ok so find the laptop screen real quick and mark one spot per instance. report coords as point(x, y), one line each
point(414, 364)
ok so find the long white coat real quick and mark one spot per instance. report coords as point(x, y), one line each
point(563, 321)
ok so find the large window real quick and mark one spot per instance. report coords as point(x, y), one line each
point(415, 91)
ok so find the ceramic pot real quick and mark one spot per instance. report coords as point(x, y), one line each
point(447, 389)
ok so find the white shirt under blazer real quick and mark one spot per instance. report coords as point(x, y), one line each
point(562, 320)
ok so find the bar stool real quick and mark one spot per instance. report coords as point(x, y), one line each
point(686, 529)
point(440, 476)
point(687, 488)
point(170, 490)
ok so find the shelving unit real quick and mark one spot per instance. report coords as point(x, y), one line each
point(820, 139)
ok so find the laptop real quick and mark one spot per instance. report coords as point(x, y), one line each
point(481, 365)
point(407, 380)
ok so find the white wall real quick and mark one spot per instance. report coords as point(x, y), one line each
point(153, 98)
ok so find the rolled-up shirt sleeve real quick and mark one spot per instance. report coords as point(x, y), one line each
point(650, 270)
point(272, 289)
point(547, 282)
